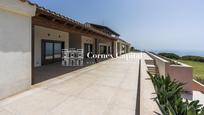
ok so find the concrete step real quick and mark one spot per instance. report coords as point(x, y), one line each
point(152, 69)
point(153, 73)
point(149, 62)
point(151, 65)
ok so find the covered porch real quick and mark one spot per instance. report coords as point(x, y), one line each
point(50, 71)
point(51, 33)
point(107, 88)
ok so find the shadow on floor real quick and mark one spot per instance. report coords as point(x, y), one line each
point(50, 71)
point(54, 70)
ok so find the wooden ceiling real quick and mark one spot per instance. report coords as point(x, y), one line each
point(50, 19)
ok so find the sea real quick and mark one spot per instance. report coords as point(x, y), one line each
point(183, 52)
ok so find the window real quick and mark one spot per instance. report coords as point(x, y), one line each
point(103, 49)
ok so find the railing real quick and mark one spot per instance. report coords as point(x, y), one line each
point(176, 70)
point(137, 110)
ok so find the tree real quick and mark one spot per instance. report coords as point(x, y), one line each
point(170, 55)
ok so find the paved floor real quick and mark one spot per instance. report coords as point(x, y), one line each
point(106, 88)
point(50, 71)
point(198, 96)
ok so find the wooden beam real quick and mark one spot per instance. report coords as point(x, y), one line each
point(40, 21)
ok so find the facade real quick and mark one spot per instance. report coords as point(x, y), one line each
point(122, 47)
point(33, 37)
point(119, 46)
point(15, 46)
point(46, 37)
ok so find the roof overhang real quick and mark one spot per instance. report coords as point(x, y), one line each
point(59, 21)
point(103, 27)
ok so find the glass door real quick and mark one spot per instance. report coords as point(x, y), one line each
point(87, 48)
point(48, 53)
point(51, 51)
point(58, 51)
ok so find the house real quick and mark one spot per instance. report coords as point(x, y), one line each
point(33, 37)
point(107, 47)
point(122, 47)
point(54, 30)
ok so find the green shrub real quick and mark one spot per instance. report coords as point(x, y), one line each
point(169, 98)
point(132, 49)
point(193, 58)
point(170, 55)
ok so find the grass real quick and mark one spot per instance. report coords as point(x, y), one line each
point(198, 68)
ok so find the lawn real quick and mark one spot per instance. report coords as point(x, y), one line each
point(198, 68)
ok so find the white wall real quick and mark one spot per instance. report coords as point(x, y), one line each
point(18, 7)
point(15, 46)
point(42, 33)
point(121, 44)
point(115, 52)
point(183, 74)
point(161, 63)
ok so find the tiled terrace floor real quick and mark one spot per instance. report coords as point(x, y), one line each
point(106, 88)
point(50, 71)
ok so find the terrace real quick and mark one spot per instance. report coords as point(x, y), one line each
point(107, 88)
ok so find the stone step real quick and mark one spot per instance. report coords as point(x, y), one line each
point(149, 62)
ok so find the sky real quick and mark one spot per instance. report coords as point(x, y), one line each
point(159, 25)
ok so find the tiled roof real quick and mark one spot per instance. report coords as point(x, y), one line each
point(123, 41)
point(27, 2)
point(64, 18)
point(104, 27)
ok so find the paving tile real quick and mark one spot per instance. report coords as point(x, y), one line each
point(78, 106)
point(37, 104)
point(125, 99)
point(98, 92)
point(5, 112)
point(129, 84)
point(106, 88)
point(109, 81)
point(117, 110)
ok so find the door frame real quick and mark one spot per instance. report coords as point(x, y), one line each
point(43, 41)
point(91, 47)
point(106, 48)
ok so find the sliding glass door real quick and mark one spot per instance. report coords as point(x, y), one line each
point(51, 51)
point(87, 48)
